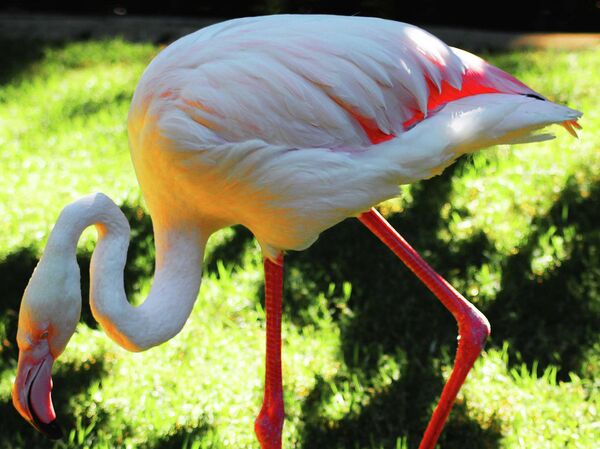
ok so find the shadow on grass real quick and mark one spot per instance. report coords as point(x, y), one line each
point(230, 253)
point(392, 415)
point(184, 438)
point(554, 317)
point(15, 270)
point(18, 56)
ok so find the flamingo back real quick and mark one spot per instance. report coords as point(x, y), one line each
point(296, 122)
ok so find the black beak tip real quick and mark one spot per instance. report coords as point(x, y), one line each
point(52, 430)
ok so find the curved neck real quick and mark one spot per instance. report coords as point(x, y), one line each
point(179, 252)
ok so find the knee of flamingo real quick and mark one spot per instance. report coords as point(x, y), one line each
point(268, 427)
point(475, 330)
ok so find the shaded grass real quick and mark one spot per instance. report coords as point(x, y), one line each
point(367, 348)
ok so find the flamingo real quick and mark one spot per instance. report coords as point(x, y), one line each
point(287, 125)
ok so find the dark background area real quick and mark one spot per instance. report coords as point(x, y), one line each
point(510, 15)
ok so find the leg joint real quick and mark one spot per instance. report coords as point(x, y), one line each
point(268, 426)
point(474, 329)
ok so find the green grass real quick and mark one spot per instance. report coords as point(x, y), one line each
point(366, 347)
point(63, 131)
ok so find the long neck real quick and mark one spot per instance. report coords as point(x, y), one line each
point(179, 252)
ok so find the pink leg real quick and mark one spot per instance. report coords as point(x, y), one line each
point(473, 327)
point(269, 423)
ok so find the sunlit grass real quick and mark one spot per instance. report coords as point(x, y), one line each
point(532, 407)
point(63, 135)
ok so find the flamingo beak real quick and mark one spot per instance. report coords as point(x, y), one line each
point(32, 390)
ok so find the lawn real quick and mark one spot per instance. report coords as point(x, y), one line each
point(366, 347)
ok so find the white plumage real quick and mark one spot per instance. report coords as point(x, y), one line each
point(258, 117)
point(281, 79)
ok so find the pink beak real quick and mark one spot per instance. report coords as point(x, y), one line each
point(32, 390)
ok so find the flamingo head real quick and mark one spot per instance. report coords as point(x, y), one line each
point(49, 313)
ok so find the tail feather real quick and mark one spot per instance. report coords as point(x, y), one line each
point(530, 138)
point(467, 125)
point(483, 120)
